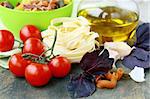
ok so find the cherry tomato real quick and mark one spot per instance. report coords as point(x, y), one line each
point(29, 31)
point(33, 46)
point(6, 41)
point(17, 65)
point(38, 74)
point(60, 66)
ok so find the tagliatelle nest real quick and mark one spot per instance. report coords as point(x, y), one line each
point(74, 38)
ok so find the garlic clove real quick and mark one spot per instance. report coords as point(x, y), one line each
point(137, 74)
point(121, 47)
point(113, 54)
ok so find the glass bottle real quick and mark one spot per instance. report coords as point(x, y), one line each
point(113, 20)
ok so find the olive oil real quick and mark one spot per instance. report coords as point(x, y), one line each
point(112, 23)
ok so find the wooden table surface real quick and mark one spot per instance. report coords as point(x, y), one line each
point(17, 88)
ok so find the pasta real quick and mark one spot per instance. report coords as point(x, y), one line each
point(74, 38)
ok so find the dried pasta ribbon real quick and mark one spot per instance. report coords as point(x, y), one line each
point(111, 79)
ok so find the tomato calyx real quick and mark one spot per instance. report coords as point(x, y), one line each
point(35, 58)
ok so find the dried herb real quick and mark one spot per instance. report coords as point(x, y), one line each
point(92, 64)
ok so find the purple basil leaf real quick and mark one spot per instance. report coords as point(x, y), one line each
point(96, 64)
point(88, 59)
point(103, 64)
point(93, 64)
point(80, 86)
point(140, 54)
point(138, 57)
point(143, 36)
point(142, 29)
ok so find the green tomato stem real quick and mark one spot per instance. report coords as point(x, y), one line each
point(54, 43)
point(52, 48)
point(41, 59)
point(20, 43)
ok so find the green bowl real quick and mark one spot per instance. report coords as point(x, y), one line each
point(14, 20)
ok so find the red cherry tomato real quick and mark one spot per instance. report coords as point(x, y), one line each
point(60, 66)
point(6, 41)
point(29, 31)
point(33, 46)
point(38, 74)
point(17, 65)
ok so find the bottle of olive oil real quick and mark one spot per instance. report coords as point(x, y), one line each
point(112, 23)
